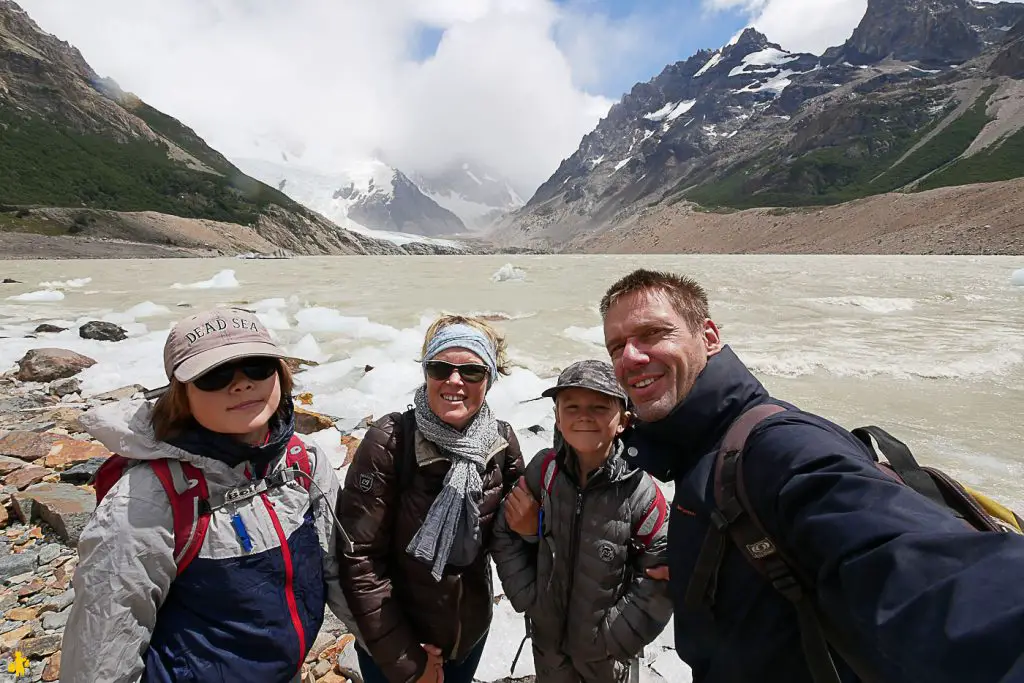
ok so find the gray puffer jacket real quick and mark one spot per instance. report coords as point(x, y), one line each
point(582, 584)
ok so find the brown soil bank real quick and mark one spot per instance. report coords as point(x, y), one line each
point(23, 245)
point(986, 218)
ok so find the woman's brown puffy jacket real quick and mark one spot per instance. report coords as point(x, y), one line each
point(395, 601)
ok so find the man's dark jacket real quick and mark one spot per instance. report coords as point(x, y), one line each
point(925, 599)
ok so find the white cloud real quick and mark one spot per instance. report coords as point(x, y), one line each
point(800, 25)
point(336, 78)
point(809, 25)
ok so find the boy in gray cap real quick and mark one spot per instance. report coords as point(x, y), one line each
point(577, 536)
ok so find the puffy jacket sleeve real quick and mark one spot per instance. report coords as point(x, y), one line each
point(324, 500)
point(367, 512)
point(645, 608)
point(126, 566)
point(928, 598)
point(515, 557)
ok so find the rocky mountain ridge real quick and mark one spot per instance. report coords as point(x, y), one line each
point(751, 124)
point(934, 32)
point(75, 140)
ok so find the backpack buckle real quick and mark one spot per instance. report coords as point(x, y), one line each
point(719, 520)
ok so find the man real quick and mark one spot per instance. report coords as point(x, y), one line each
point(917, 596)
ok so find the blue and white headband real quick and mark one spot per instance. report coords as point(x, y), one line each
point(464, 337)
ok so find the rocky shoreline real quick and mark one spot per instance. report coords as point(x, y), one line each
point(29, 246)
point(47, 463)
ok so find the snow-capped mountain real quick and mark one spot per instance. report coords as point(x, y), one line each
point(477, 195)
point(366, 194)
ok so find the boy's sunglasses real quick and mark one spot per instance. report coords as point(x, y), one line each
point(256, 369)
point(439, 370)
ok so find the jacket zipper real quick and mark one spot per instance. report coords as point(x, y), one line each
point(289, 579)
point(573, 558)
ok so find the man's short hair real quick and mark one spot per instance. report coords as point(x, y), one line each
point(686, 295)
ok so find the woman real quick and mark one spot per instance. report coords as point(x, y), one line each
point(419, 505)
point(188, 572)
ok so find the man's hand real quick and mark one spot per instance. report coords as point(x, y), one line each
point(659, 573)
point(433, 673)
point(521, 510)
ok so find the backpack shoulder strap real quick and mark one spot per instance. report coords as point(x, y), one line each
point(727, 510)
point(902, 462)
point(187, 492)
point(505, 430)
point(654, 517)
point(405, 454)
point(297, 455)
point(108, 474)
point(758, 548)
point(548, 470)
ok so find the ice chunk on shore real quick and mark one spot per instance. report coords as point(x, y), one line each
point(41, 295)
point(321, 319)
point(225, 279)
point(74, 284)
point(508, 272)
point(587, 335)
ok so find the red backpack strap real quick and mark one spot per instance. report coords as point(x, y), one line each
point(186, 490)
point(548, 470)
point(298, 455)
point(653, 519)
point(108, 474)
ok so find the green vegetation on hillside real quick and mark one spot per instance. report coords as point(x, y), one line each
point(1002, 161)
point(181, 135)
point(49, 163)
point(23, 222)
point(859, 167)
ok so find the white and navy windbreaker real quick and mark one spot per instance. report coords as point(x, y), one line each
point(231, 615)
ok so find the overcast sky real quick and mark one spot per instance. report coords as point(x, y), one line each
point(513, 84)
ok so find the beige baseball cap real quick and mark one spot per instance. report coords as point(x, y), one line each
point(203, 341)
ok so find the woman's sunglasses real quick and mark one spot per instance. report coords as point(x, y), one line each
point(256, 369)
point(439, 370)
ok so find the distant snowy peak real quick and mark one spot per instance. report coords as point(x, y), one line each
point(475, 194)
point(369, 193)
point(370, 178)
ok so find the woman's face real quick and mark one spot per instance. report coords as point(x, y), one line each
point(454, 399)
point(242, 408)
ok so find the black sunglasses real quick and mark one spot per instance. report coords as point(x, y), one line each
point(256, 369)
point(440, 370)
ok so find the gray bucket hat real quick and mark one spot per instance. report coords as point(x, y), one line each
point(596, 375)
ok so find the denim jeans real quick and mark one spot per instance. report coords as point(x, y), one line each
point(453, 673)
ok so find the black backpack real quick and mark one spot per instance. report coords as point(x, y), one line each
point(733, 517)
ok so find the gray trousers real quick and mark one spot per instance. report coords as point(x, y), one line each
point(557, 667)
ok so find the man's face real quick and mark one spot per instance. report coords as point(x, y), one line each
point(656, 356)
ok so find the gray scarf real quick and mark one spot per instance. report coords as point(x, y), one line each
point(452, 526)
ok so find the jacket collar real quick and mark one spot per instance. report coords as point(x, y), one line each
point(612, 470)
point(722, 391)
point(427, 452)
